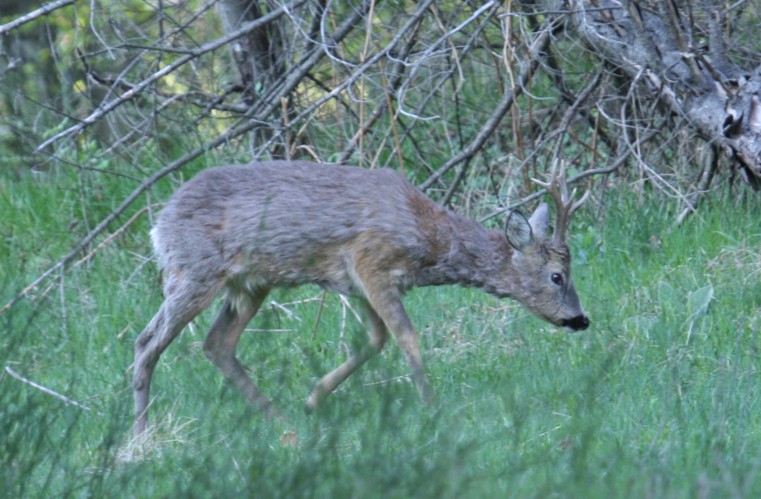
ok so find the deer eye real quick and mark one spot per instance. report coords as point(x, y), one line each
point(557, 279)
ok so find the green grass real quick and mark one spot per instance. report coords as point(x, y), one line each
point(659, 398)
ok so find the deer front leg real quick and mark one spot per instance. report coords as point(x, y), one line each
point(385, 298)
point(377, 332)
point(390, 308)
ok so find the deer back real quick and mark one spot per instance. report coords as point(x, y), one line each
point(289, 223)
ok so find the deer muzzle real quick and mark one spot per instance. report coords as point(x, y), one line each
point(578, 323)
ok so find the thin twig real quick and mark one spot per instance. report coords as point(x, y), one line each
point(57, 395)
point(319, 315)
point(537, 48)
point(706, 176)
point(576, 178)
point(100, 246)
point(168, 69)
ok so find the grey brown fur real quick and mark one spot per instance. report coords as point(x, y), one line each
point(369, 233)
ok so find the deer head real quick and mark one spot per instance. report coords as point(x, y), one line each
point(542, 264)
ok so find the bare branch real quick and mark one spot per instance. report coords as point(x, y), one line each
point(536, 51)
point(42, 11)
point(614, 166)
point(168, 69)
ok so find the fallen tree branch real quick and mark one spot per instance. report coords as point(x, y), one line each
point(720, 100)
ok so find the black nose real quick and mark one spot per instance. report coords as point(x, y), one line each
point(577, 323)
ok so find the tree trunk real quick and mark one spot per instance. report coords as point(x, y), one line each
point(259, 56)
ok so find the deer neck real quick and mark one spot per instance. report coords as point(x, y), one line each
point(466, 253)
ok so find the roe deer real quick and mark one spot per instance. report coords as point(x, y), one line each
point(367, 233)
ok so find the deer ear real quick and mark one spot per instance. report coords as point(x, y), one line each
point(518, 231)
point(540, 220)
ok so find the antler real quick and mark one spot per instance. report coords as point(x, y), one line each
point(565, 204)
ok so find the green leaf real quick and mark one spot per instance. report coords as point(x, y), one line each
point(698, 300)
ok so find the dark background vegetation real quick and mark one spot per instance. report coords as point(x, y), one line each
point(107, 106)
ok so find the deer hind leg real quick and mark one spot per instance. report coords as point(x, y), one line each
point(378, 334)
point(222, 340)
point(182, 303)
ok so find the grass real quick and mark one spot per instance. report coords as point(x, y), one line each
point(659, 398)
